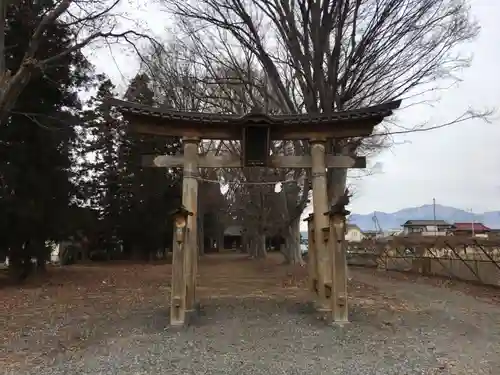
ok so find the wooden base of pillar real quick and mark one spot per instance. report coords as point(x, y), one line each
point(177, 313)
point(338, 316)
point(336, 312)
point(190, 317)
point(323, 308)
point(335, 237)
point(339, 323)
point(190, 296)
point(178, 288)
point(321, 304)
point(340, 311)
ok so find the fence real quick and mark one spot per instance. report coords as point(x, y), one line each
point(468, 259)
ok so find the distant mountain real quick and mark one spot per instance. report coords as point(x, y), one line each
point(451, 215)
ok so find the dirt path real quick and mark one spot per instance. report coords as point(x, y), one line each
point(468, 324)
point(254, 320)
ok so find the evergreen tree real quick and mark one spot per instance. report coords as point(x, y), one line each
point(99, 173)
point(149, 193)
point(36, 141)
point(133, 202)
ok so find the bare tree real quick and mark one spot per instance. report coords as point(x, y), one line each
point(324, 56)
point(89, 21)
point(180, 83)
point(191, 77)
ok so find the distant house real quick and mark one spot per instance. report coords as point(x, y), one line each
point(470, 229)
point(232, 237)
point(353, 233)
point(426, 227)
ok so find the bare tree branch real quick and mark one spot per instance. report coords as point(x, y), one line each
point(324, 56)
point(89, 21)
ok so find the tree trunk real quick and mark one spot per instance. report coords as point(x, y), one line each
point(3, 14)
point(41, 265)
point(41, 256)
point(27, 254)
point(285, 251)
point(260, 246)
point(337, 184)
point(201, 234)
point(245, 243)
point(12, 87)
point(291, 251)
point(253, 246)
point(20, 266)
point(219, 241)
point(85, 253)
point(16, 269)
point(64, 253)
point(137, 254)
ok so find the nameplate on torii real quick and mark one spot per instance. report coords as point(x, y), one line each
point(210, 160)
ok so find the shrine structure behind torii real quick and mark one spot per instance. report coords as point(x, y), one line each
point(327, 258)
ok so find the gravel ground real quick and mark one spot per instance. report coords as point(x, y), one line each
point(404, 328)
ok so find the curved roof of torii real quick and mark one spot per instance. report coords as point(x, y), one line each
point(163, 121)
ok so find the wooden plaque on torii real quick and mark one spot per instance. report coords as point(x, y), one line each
point(256, 145)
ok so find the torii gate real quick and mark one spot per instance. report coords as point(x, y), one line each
point(327, 270)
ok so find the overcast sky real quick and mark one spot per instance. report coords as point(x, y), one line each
point(459, 166)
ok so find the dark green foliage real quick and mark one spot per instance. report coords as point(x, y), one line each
point(149, 193)
point(100, 178)
point(36, 141)
point(133, 202)
point(69, 173)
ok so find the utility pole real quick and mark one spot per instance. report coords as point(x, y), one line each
point(472, 222)
point(434, 214)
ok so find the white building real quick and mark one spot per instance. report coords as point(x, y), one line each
point(354, 233)
point(427, 227)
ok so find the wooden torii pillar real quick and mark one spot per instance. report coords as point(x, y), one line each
point(255, 131)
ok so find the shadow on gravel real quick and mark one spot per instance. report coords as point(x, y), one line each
point(212, 312)
point(216, 311)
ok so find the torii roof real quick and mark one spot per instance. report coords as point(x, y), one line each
point(161, 121)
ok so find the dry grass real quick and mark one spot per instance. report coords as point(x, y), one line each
point(72, 307)
point(76, 298)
